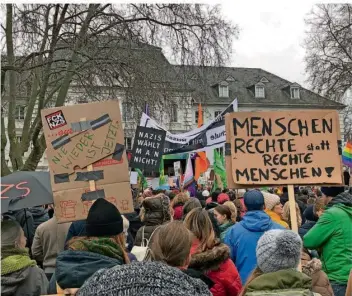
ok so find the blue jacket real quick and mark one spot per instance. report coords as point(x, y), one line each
point(242, 239)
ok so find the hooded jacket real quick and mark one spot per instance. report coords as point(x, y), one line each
point(320, 281)
point(143, 279)
point(217, 265)
point(286, 282)
point(40, 215)
point(27, 281)
point(73, 268)
point(242, 239)
point(333, 234)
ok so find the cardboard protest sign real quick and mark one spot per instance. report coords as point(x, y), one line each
point(287, 147)
point(147, 149)
point(86, 158)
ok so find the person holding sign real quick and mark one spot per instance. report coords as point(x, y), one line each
point(333, 235)
point(242, 238)
point(274, 209)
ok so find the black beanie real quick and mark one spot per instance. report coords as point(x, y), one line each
point(332, 191)
point(104, 219)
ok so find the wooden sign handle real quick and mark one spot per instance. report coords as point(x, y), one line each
point(92, 186)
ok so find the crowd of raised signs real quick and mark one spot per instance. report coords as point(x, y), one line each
point(221, 243)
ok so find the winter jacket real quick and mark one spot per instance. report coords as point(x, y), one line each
point(288, 282)
point(29, 281)
point(40, 215)
point(178, 211)
point(49, 241)
point(303, 230)
point(276, 218)
point(242, 239)
point(224, 228)
point(320, 281)
point(333, 234)
point(143, 279)
point(73, 268)
point(217, 265)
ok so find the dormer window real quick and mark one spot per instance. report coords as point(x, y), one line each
point(295, 92)
point(223, 90)
point(260, 91)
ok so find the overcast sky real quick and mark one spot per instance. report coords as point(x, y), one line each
point(271, 36)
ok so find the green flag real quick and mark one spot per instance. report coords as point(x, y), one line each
point(219, 171)
point(161, 171)
point(141, 179)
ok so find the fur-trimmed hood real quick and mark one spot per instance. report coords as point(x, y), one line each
point(209, 259)
point(311, 267)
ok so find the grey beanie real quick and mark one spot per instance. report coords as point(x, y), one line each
point(278, 249)
point(143, 279)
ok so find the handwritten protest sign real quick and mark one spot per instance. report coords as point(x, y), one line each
point(147, 148)
point(290, 147)
point(86, 158)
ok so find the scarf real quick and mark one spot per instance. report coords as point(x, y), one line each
point(103, 246)
point(14, 259)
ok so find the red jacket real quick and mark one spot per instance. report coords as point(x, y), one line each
point(218, 266)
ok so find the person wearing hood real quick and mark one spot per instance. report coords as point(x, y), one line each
point(155, 211)
point(210, 256)
point(274, 208)
point(164, 273)
point(225, 220)
point(332, 234)
point(278, 255)
point(103, 247)
point(178, 203)
point(40, 215)
point(311, 220)
point(19, 274)
point(242, 238)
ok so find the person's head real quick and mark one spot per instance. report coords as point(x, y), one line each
point(232, 195)
point(272, 203)
point(199, 223)
point(319, 207)
point(309, 214)
point(233, 210)
point(286, 215)
point(147, 193)
point(278, 250)
point(241, 193)
point(215, 194)
point(222, 214)
point(171, 244)
point(180, 198)
point(156, 208)
point(254, 200)
point(206, 193)
point(12, 235)
point(190, 205)
point(328, 193)
point(222, 198)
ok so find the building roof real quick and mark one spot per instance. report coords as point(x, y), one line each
point(241, 81)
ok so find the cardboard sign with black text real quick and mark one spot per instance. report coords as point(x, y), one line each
point(147, 149)
point(283, 147)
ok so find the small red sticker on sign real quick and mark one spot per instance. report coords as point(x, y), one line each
point(55, 120)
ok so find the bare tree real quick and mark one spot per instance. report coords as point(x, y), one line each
point(105, 51)
point(329, 49)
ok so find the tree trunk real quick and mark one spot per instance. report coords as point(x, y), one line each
point(4, 167)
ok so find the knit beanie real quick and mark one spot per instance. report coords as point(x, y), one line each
point(104, 219)
point(332, 191)
point(271, 200)
point(223, 197)
point(278, 249)
point(309, 214)
point(143, 279)
point(253, 200)
point(205, 193)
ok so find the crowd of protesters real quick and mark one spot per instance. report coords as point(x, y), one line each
point(221, 243)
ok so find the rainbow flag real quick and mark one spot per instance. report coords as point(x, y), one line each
point(189, 177)
point(347, 154)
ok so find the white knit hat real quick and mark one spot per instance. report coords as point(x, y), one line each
point(205, 193)
point(271, 200)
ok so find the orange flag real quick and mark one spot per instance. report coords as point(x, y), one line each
point(201, 161)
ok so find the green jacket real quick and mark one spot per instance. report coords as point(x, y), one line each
point(288, 282)
point(333, 235)
point(224, 228)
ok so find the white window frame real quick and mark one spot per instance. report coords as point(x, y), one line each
point(174, 113)
point(295, 92)
point(18, 115)
point(223, 91)
point(128, 146)
point(19, 139)
point(260, 91)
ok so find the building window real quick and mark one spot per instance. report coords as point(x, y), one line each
point(174, 115)
point(259, 91)
point(126, 111)
point(217, 113)
point(19, 139)
point(294, 92)
point(196, 117)
point(128, 143)
point(20, 112)
point(223, 91)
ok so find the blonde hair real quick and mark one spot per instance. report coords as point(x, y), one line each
point(199, 223)
point(233, 210)
point(180, 198)
point(286, 214)
point(319, 205)
point(171, 243)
